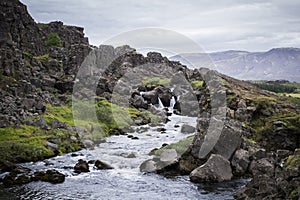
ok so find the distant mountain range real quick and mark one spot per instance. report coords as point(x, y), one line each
point(275, 64)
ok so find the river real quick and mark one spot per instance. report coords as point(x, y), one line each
point(125, 181)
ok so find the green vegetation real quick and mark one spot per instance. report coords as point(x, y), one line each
point(53, 40)
point(295, 193)
point(197, 84)
point(278, 88)
point(265, 127)
point(294, 95)
point(28, 143)
point(180, 146)
point(6, 80)
point(60, 113)
point(42, 24)
point(43, 58)
point(294, 160)
point(155, 81)
point(27, 54)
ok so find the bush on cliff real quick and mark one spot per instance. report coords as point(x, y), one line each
point(53, 40)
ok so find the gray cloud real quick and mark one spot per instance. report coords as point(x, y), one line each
point(253, 26)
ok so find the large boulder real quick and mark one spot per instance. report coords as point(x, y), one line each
point(216, 169)
point(227, 143)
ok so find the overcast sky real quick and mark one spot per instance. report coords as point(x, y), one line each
point(215, 25)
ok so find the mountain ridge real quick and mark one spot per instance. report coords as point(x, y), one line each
point(276, 63)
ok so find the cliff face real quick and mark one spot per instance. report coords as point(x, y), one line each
point(29, 67)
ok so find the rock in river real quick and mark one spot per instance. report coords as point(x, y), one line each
point(216, 169)
point(81, 166)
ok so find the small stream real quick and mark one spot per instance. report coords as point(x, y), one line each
point(124, 181)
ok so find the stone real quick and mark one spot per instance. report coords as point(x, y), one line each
point(51, 176)
point(102, 165)
point(227, 143)
point(52, 146)
point(240, 161)
point(262, 167)
point(187, 129)
point(151, 97)
point(88, 143)
point(216, 169)
point(55, 124)
point(41, 123)
point(81, 166)
point(148, 166)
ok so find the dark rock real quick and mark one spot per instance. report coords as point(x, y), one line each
point(81, 166)
point(55, 124)
point(138, 102)
point(164, 94)
point(216, 169)
point(151, 97)
point(240, 161)
point(102, 165)
point(14, 178)
point(41, 123)
point(51, 176)
point(187, 129)
point(7, 166)
point(262, 167)
point(131, 155)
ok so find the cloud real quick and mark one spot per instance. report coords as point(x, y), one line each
point(254, 26)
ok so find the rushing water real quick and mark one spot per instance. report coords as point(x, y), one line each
point(124, 181)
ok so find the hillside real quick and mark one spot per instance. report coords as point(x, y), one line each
point(275, 64)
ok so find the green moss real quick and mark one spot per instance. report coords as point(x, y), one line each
point(155, 81)
point(293, 161)
point(42, 24)
point(7, 80)
point(28, 64)
point(295, 193)
point(27, 54)
point(265, 126)
point(180, 146)
point(61, 113)
point(43, 59)
point(53, 40)
point(28, 143)
point(197, 84)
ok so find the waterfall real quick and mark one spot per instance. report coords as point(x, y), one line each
point(172, 102)
point(160, 104)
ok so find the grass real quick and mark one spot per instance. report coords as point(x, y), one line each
point(28, 143)
point(43, 58)
point(155, 81)
point(60, 113)
point(197, 84)
point(180, 147)
point(294, 95)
